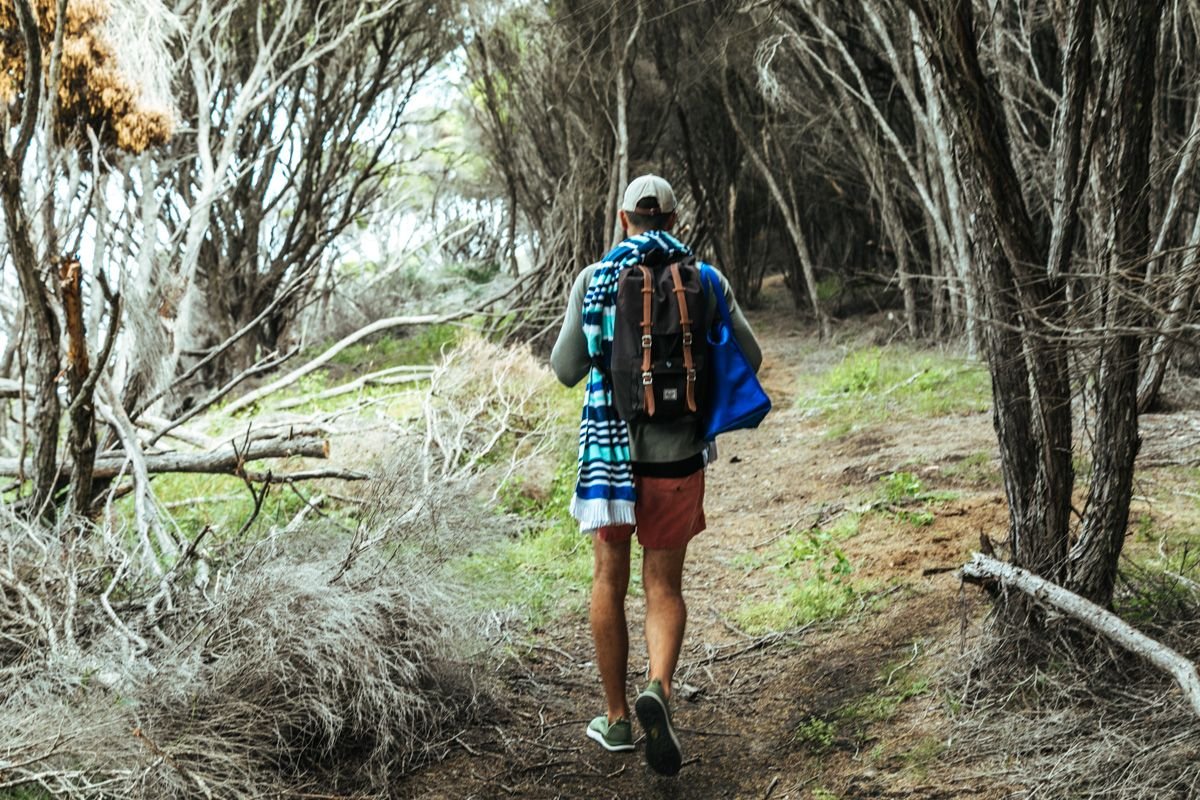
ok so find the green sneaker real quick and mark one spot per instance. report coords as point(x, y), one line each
point(615, 737)
point(662, 746)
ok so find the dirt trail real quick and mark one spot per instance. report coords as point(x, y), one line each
point(741, 699)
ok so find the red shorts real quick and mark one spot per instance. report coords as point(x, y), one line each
point(669, 511)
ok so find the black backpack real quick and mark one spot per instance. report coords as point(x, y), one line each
point(660, 348)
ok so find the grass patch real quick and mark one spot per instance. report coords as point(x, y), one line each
point(221, 502)
point(882, 706)
point(903, 497)
point(979, 469)
point(922, 755)
point(816, 734)
point(540, 571)
point(898, 682)
point(424, 345)
point(816, 573)
point(877, 384)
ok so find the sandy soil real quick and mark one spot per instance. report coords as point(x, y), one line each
point(741, 698)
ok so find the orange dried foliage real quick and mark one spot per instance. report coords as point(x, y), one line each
point(92, 91)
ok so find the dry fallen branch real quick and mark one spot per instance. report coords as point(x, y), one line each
point(982, 568)
point(222, 460)
point(384, 377)
point(375, 327)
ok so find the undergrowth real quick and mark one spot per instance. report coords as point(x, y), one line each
point(815, 574)
point(543, 568)
point(880, 384)
point(1065, 713)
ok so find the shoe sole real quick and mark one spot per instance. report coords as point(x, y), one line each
point(663, 753)
point(612, 748)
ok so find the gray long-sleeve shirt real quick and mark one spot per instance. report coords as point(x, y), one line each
point(658, 442)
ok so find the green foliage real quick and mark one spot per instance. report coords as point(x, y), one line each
point(829, 288)
point(25, 793)
point(477, 272)
point(979, 468)
point(424, 345)
point(221, 502)
point(539, 570)
point(816, 734)
point(903, 489)
point(878, 384)
point(815, 574)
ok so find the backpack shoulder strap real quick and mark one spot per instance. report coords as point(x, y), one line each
point(685, 327)
point(647, 340)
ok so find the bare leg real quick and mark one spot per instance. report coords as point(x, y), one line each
point(666, 612)
point(610, 580)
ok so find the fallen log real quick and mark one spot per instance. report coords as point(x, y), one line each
point(384, 377)
point(375, 327)
point(221, 460)
point(984, 568)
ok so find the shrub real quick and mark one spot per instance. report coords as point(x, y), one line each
point(298, 665)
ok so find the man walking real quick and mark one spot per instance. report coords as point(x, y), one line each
point(645, 477)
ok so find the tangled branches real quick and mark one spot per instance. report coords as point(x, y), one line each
point(1086, 720)
point(481, 398)
point(287, 669)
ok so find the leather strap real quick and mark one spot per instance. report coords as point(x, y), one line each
point(647, 341)
point(685, 326)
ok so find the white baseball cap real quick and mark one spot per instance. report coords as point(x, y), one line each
point(661, 196)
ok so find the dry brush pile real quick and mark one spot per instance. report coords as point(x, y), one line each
point(288, 666)
point(307, 657)
point(1087, 719)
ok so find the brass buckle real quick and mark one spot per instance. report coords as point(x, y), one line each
point(687, 339)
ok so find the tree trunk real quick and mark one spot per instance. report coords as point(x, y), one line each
point(81, 436)
point(44, 364)
point(939, 137)
point(1124, 181)
point(1183, 292)
point(1026, 355)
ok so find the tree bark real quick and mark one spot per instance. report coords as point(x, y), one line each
point(1132, 44)
point(1070, 163)
point(44, 363)
point(1183, 287)
point(81, 435)
point(1030, 377)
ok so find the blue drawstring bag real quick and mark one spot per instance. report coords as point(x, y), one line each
point(735, 397)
